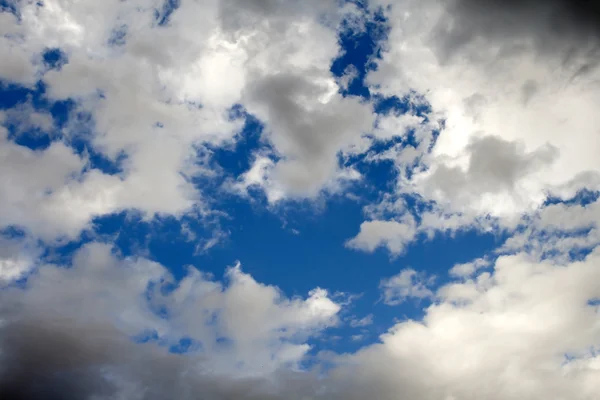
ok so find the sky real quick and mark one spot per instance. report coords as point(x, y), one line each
point(283, 199)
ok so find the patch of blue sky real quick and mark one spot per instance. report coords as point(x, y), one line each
point(378, 177)
point(12, 6)
point(301, 248)
point(13, 232)
point(54, 58)
point(168, 8)
point(366, 162)
point(296, 250)
point(582, 198)
point(185, 345)
point(9, 6)
point(236, 158)
point(118, 36)
point(361, 47)
point(12, 94)
point(146, 337)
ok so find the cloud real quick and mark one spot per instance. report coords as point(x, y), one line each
point(244, 326)
point(407, 284)
point(512, 90)
point(61, 359)
point(309, 123)
point(361, 322)
point(554, 28)
point(497, 180)
point(17, 257)
point(466, 270)
point(527, 329)
point(391, 234)
point(512, 82)
point(162, 92)
point(35, 184)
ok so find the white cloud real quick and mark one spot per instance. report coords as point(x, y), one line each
point(259, 176)
point(31, 184)
point(391, 234)
point(265, 329)
point(356, 322)
point(466, 270)
point(271, 57)
point(17, 258)
point(502, 336)
point(520, 123)
point(306, 131)
point(517, 104)
point(405, 285)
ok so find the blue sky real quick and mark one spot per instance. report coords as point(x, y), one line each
point(273, 187)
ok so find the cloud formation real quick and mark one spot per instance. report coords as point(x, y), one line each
point(499, 133)
point(246, 325)
point(158, 90)
point(510, 89)
point(528, 328)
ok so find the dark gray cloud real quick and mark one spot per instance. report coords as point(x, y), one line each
point(66, 334)
point(567, 29)
point(44, 358)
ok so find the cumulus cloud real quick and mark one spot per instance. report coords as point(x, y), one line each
point(310, 124)
point(61, 359)
point(17, 257)
point(244, 327)
point(34, 184)
point(514, 84)
point(511, 88)
point(526, 330)
point(157, 92)
point(495, 168)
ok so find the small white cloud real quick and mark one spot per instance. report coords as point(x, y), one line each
point(407, 284)
point(467, 269)
point(361, 322)
point(391, 234)
point(260, 176)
